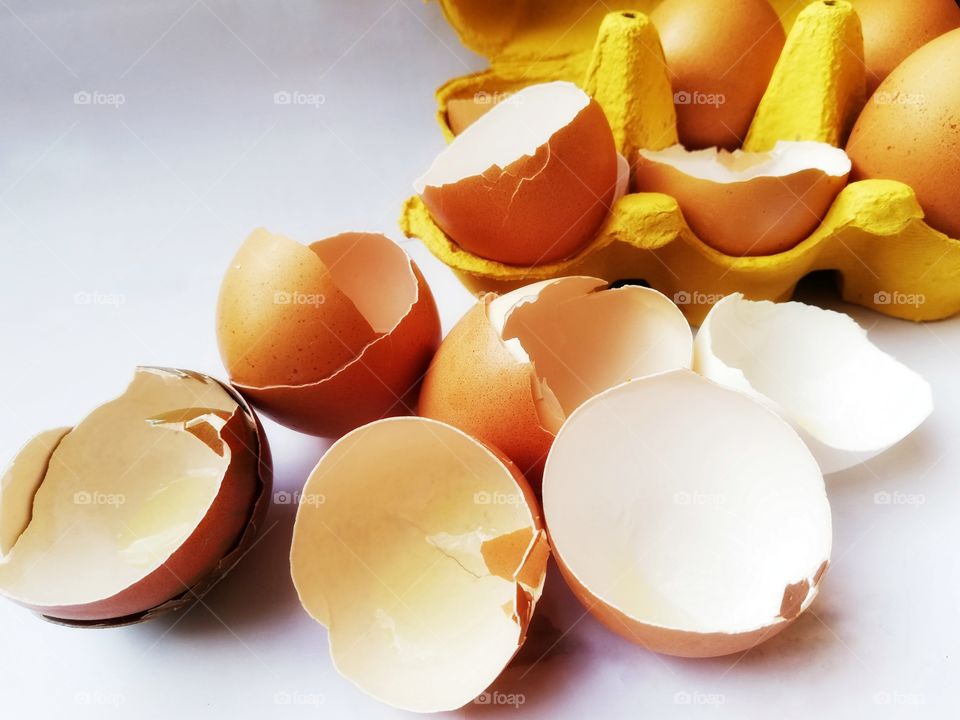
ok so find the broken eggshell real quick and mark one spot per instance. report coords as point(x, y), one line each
point(140, 508)
point(686, 516)
point(848, 399)
point(516, 365)
point(422, 552)
point(745, 203)
point(326, 337)
point(529, 181)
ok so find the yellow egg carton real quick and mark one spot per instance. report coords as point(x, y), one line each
point(874, 236)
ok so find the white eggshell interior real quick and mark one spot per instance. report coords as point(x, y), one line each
point(123, 490)
point(721, 166)
point(394, 551)
point(686, 505)
point(583, 337)
point(514, 128)
point(817, 368)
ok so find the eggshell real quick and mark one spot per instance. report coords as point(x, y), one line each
point(748, 203)
point(910, 131)
point(530, 181)
point(848, 399)
point(515, 366)
point(721, 56)
point(363, 334)
point(892, 30)
point(141, 506)
point(422, 552)
point(685, 516)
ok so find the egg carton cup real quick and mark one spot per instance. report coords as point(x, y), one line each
point(873, 237)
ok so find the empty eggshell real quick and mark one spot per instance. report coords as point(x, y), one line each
point(422, 552)
point(138, 509)
point(516, 365)
point(326, 337)
point(848, 399)
point(745, 203)
point(528, 182)
point(686, 516)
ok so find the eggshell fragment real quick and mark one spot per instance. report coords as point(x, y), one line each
point(685, 516)
point(530, 181)
point(848, 399)
point(516, 365)
point(422, 551)
point(139, 508)
point(326, 337)
point(745, 203)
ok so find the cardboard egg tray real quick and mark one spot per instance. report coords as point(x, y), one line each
point(873, 237)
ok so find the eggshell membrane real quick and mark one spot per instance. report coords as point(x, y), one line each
point(182, 455)
point(530, 181)
point(385, 287)
point(893, 30)
point(685, 516)
point(743, 203)
point(848, 399)
point(725, 49)
point(909, 131)
point(269, 333)
point(514, 367)
point(424, 556)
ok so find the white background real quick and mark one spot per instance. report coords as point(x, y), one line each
point(116, 225)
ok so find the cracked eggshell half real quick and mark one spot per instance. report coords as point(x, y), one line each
point(516, 365)
point(748, 203)
point(422, 552)
point(848, 399)
point(139, 508)
point(326, 337)
point(687, 517)
point(530, 181)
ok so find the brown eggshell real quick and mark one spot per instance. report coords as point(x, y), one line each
point(498, 403)
point(282, 319)
point(216, 543)
point(380, 284)
point(892, 30)
point(910, 131)
point(763, 215)
point(540, 208)
point(384, 381)
point(722, 49)
point(670, 641)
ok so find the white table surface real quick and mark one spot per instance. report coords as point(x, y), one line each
point(117, 222)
